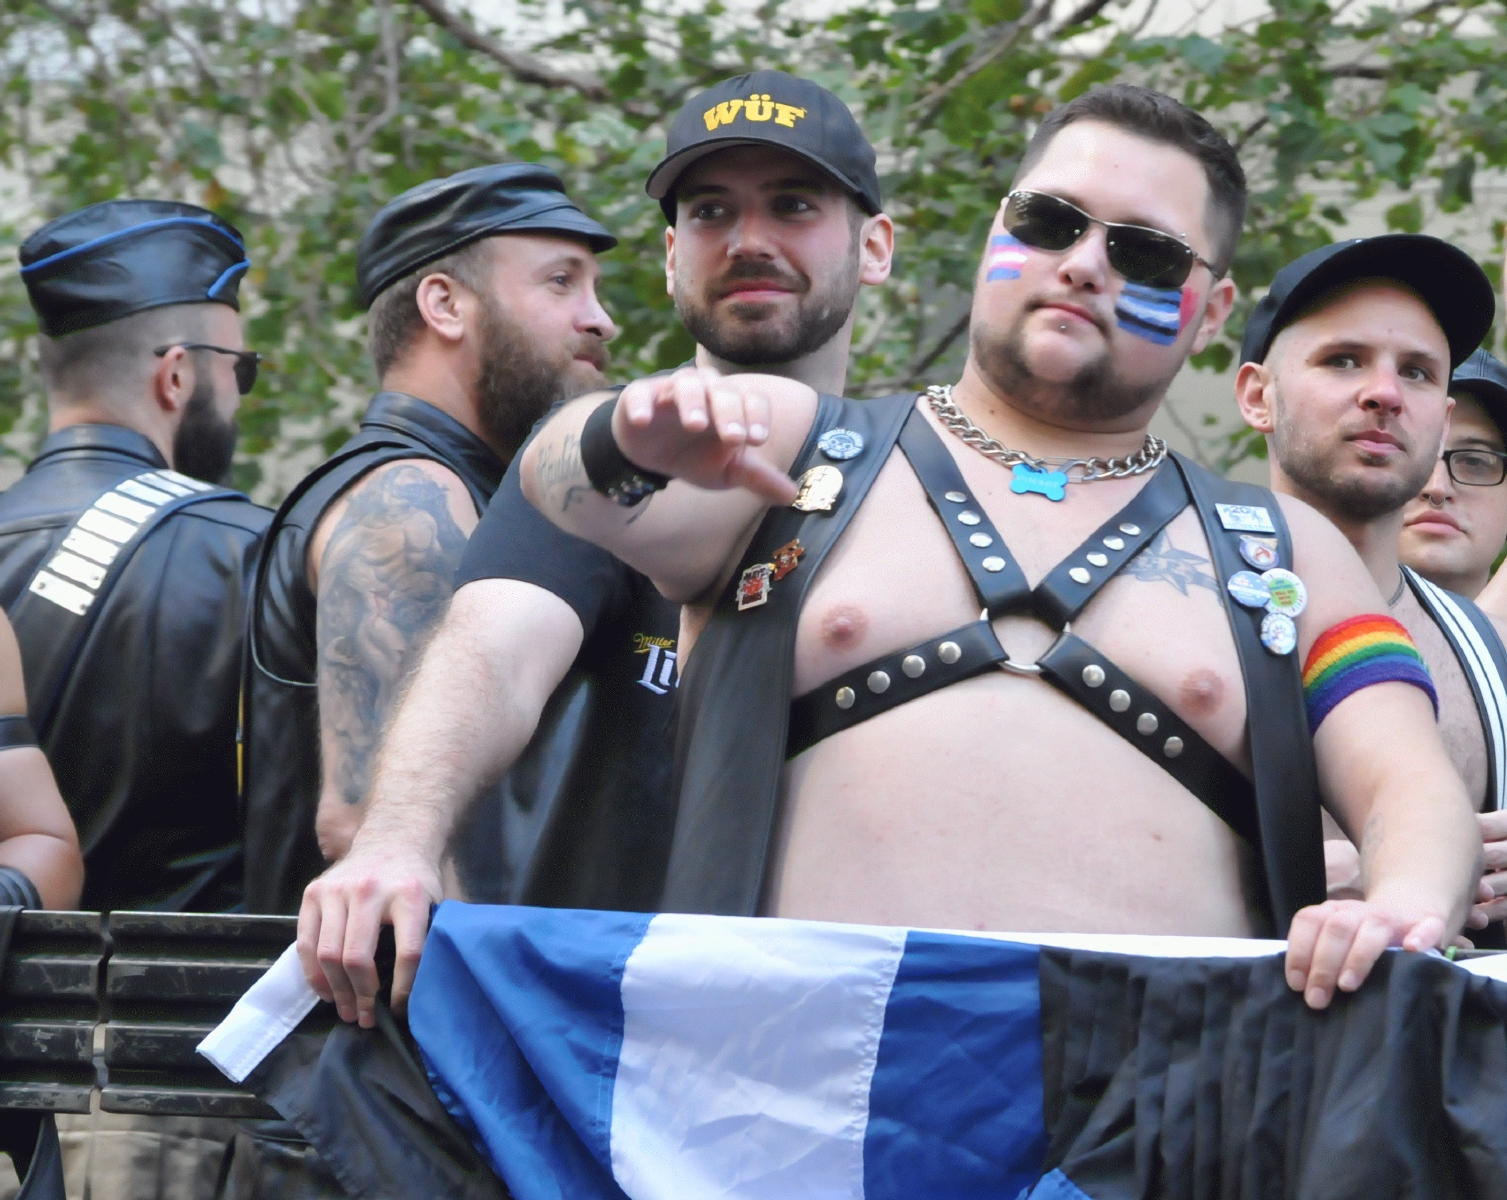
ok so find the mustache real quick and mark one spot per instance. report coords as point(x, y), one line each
point(595, 351)
point(1349, 430)
point(743, 272)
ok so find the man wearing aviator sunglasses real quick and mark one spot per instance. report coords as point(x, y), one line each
point(840, 657)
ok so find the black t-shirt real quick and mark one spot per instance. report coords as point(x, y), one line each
point(585, 817)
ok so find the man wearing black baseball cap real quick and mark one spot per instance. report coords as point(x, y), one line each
point(482, 312)
point(1345, 367)
point(774, 206)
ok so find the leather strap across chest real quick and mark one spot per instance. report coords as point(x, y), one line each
point(1071, 664)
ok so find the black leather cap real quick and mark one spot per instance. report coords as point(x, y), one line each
point(110, 260)
point(1484, 378)
point(769, 108)
point(1447, 279)
point(440, 217)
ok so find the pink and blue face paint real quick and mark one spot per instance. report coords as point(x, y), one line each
point(1006, 257)
point(1156, 314)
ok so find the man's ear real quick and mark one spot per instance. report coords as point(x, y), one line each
point(877, 241)
point(1449, 408)
point(1216, 313)
point(442, 303)
point(670, 261)
point(173, 380)
point(1255, 393)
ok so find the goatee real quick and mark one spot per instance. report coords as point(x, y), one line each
point(1093, 396)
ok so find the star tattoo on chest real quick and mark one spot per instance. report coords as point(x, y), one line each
point(1163, 562)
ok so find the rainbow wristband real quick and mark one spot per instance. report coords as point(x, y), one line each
point(1356, 654)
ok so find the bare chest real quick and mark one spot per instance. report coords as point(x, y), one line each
point(895, 580)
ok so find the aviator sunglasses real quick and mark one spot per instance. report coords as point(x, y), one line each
point(245, 361)
point(1141, 255)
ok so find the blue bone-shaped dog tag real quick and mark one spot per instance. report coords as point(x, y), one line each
point(1051, 484)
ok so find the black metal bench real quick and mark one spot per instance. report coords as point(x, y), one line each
point(117, 1002)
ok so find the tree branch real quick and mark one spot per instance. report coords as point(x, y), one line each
point(923, 364)
point(1249, 132)
point(1005, 42)
point(1356, 71)
point(523, 67)
point(1081, 15)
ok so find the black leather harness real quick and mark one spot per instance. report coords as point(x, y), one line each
point(728, 787)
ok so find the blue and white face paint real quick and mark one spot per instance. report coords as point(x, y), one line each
point(1006, 257)
point(1156, 314)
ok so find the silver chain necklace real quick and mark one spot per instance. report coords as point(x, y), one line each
point(1149, 456)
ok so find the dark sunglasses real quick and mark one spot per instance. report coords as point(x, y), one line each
point(1476, 468)
point(1141, 255)
point(246, 361)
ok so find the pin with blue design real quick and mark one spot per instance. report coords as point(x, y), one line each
point(1249, 589)
point(840, 444)
point(1051, 484)
point(1279, 634)
point(1261, 553)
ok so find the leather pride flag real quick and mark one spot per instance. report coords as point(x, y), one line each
point(595, 1055)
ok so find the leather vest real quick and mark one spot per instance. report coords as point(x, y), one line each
point(735, 695)
point(280, 795)
point(135, 694)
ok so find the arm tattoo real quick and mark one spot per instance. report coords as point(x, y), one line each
point(1165, 562)
point(384, 582)
point(560, 473)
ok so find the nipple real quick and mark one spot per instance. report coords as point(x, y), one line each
point(1202, 692)
point(844, 626)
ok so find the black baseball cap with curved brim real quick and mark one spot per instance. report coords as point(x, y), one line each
point(1446, 278)
point(769, 108)
point(1484, 378)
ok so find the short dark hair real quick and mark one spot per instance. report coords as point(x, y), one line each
point(394, 320)
point(1160, 118)
point(104, 359)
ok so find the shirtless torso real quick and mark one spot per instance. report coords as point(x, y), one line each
point(978, 853)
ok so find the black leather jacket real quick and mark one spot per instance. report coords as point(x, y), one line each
point(140, 723)
point(281, 794)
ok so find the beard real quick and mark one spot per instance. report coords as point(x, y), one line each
point(1313, 464)
point(750, 334)
point(1094, 396)
point(205, 442)
point(516, 384)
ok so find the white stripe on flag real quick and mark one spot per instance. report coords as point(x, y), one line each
point(748, 1049)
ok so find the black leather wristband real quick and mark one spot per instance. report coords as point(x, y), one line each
point(608, 468)
point(17, 891)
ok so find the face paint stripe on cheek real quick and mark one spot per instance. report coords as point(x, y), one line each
point(1150, 312)
point(1006, 257)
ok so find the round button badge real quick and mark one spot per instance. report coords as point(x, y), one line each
point(1249, 589)
point(1259, 552)
point(1278, 633)
point(840, 444)
point(1289, 595)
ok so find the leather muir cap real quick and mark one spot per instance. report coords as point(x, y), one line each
point(769, 108)
point(442, 216)
point(1484, 378)
point(110, 260)
point(1446, 278)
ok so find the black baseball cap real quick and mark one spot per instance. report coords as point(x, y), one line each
point(1447, 279)
point(110, 260)
point(769, 108)
point(442, 216)
point(1484, 378)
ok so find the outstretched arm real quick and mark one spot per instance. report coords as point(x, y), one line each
point(469, 711)
point(1388, 781)
point(727, 442)
point(386, 556)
